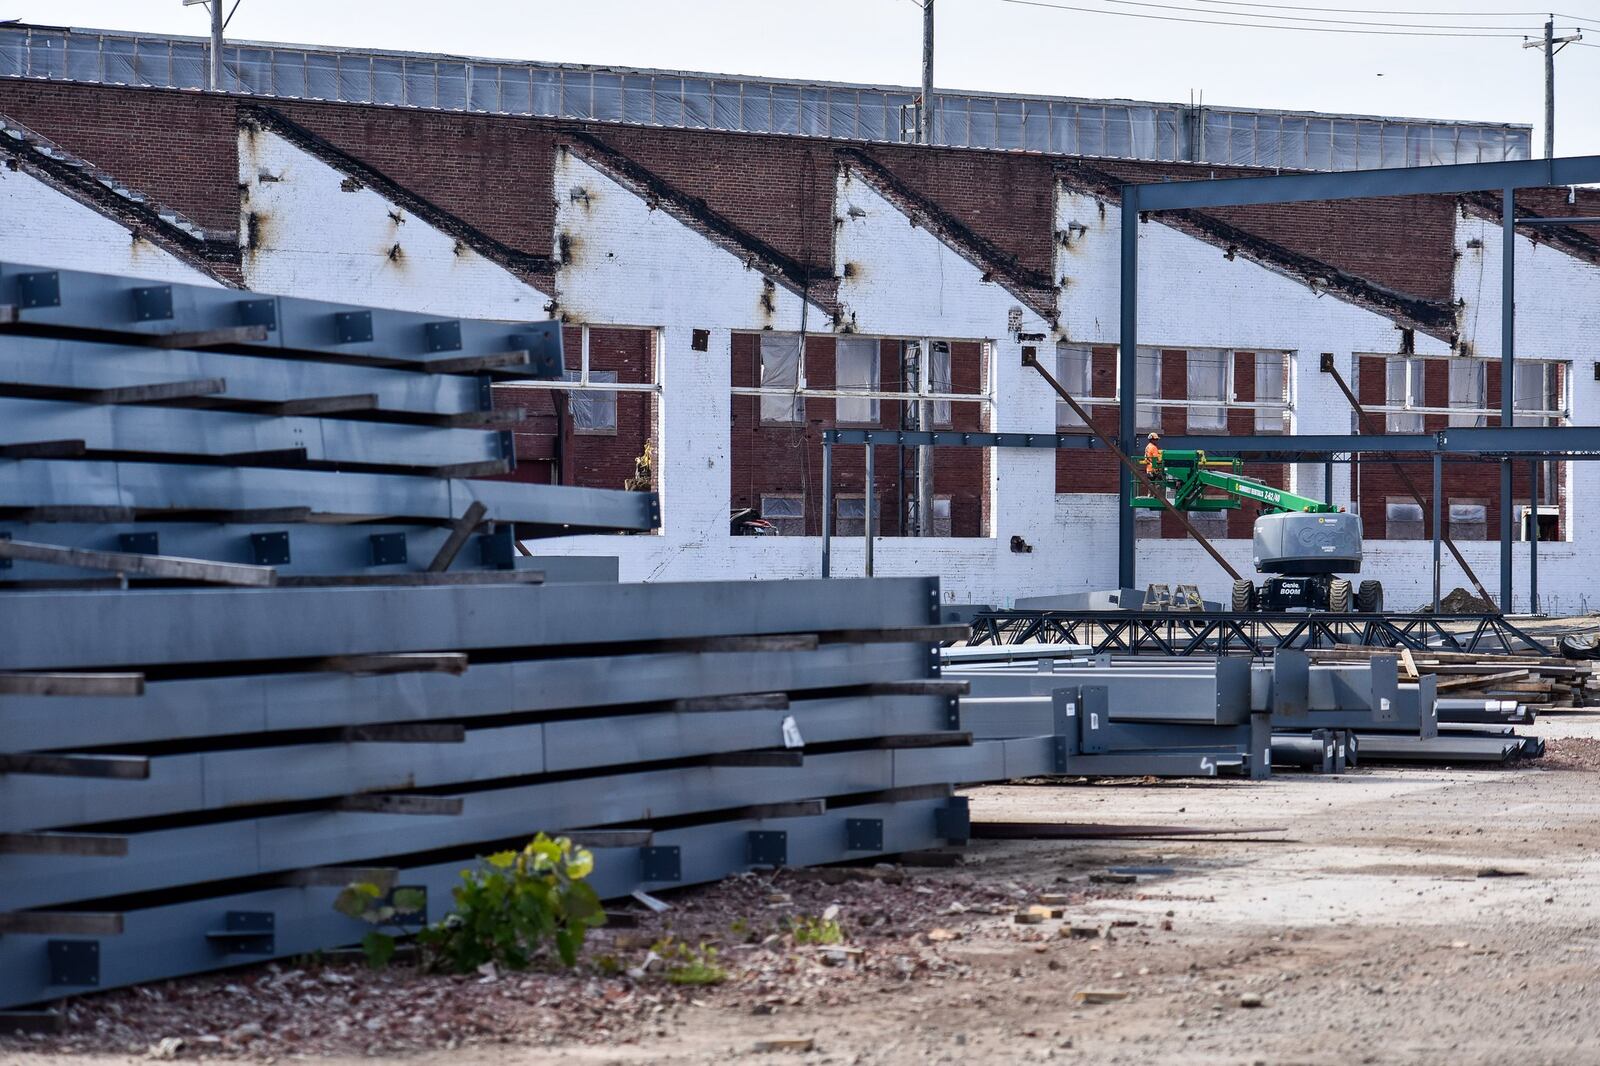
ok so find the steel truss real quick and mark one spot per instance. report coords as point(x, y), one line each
point(1228, 633)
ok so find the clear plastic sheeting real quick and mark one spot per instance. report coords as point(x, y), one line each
point(1106, 128)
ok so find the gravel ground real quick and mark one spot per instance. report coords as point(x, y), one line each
point(1405, 916)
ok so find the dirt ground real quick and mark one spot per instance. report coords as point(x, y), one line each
point(1417, 915)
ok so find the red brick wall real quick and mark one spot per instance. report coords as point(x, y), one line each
point(550, 451)
point(785, 459)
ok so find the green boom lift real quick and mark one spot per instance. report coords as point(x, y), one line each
point(1305, 543)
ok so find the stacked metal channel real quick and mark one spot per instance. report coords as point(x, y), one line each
point(190, 773)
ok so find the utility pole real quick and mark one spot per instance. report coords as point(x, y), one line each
point(218, 24)
point(925, 113)
point(1551, 45)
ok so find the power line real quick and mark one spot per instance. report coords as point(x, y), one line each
point(1308, 18)
point(1385, 11)
point(1258, 25)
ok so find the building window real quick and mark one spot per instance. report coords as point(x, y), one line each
point(941, 516)
point(780, 369)
point(1469, 381)
point(1533, 389)
point(787, 513)
point(1272, 386)
point(1073, 368)
point(1549, 523)
point(1402, 520)
point(1209, 378)
point(856, 362)
point(1149, 388)
point(939, 380)
point(849, 516)
point(593, 411)
point(1469, 520)
point(1403, 384)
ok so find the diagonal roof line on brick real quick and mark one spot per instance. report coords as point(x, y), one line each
point(1569, 239)
point(1034, 288)
point(525, 266)
point(214, 255)
point(807, 282)
point(1434, 317)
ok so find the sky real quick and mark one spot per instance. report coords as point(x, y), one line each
point(993, 45)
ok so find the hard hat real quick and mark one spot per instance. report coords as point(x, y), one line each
point(1155, 436)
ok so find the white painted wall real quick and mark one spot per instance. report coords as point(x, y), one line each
point(313, 238)
point(40, 225)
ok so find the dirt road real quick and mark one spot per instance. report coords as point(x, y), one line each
point(1406, 916)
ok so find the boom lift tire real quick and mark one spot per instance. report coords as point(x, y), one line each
point(1339, 596)
point(1369, 597)
point(1244, 596)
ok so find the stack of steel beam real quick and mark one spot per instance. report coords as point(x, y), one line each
point(143, 422)
point(1185, 716)
point(189, 773)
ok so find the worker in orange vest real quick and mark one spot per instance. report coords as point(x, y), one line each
point(1152, 454)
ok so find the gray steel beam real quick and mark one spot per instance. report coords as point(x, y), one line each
point(156, 487)
point(214, 781)
point(315, 548)
point(1574, 442)
point(1128, 378)
point(169, 941)
point(270, 703)
point(102, 629)
point(49, 363)
point(1508, 375)
point(1345, 185)
point(186, 432)
point(961, 439)
point(74, 299)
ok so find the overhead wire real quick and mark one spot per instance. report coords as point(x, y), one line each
point(1309, 18)
point(1390, 11)
point(1264, 25)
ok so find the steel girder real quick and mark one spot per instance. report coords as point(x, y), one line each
point(1228, 633)
point(58, 366)
point(71, 299)
point(169, 941)
point(153, 487)
point(144, 627)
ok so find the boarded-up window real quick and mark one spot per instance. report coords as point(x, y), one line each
point(1468, 388)
point(594, 411)
point(850, 513)
point(940, 380)
point(857, 370)
point(1208, 378)
point(780, 369)
point(1272, 386)
point(1403, 386)
point(1073, 366)
point(1533, 390)
point(1469, 520)
point(1149, 388)
point(941, 516)
point(786, 513)
point(1403, 520)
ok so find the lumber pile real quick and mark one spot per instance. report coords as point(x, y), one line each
point(1532, 682)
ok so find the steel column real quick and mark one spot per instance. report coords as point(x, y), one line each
point(1439, 482)
point(1128, 380)
point(1508, 341)
point(827, 506)
point(1533, 536)
point(869, 495)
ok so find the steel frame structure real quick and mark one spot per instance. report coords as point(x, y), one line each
point(1183, 633)
point(1140, 199)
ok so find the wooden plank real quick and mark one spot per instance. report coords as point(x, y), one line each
point(60, 923)
point(413, 578)
point(168, 390)
point(416, 662)
point(1454, 683)
point(340, 876)
point(486, 468)
point(898, 635)
point(247, 516)
point(477, 419)
point(71, 684)
point(773, 642)
point(166, 566)
point(88, 845)
point(33, 1021)
point(751, 701)
point(74, 513)
point(792, 809)
point(118, 767)
point(8, 314)
point(921, 740)
point(467, 364)
point(917, 688)
point(45, 449)
point(375, 803)
point(904, 795)
point(325, 405)
point(611, 838)
point(757, 758)
point(267, 457)
point(211, 338)
point(460, 530)
point(405, 733)
point(1409, 664)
